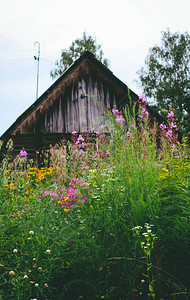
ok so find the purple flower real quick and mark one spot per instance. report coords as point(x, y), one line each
point(142, 98)
point(163, 127)
point(173, 125)
point(170, 114)
point(23, 154)
point(74, 132)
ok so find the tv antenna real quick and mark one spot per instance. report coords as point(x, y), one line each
point(38, 64)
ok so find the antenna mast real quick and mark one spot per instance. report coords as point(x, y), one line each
point(38, 60)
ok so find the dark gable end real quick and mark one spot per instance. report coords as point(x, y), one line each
point(63, 108)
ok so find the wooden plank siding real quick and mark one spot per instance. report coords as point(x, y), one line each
point(63, 108)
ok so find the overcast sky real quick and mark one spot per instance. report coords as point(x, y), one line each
point(125, 29)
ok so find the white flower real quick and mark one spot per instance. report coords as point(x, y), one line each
point(34, 259)
point(12, 273)
point(48, 251)
point(15, 251)
point(36, 285)
point(145, 234)
point(25, 276)
point(31, 232)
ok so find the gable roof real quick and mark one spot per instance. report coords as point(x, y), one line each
point(58, 87)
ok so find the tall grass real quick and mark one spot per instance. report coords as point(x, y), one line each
point(66, 231)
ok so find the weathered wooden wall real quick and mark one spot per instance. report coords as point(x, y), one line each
point(70, 110)
point(63, 108)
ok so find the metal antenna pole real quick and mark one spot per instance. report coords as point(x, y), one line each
point(38, 59)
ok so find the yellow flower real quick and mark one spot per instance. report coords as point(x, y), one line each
point(66, 209)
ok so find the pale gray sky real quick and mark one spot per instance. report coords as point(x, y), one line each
point(125, 29)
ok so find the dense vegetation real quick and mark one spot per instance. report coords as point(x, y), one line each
point(106, 217)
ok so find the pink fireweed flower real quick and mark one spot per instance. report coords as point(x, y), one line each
point(170, 114)
point(143, 111)
point(173, 125)
point(120, 119)
point(115, 111)
point(142, 99)
point(163, 126)
point(118, 116)
point(74, 133)
point(23, 154)
point(169, 133)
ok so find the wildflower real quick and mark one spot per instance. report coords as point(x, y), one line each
point(25, 276)
point(45, 285)
point(48, 251)
point(145, 234)
point(32, 282)
point(163, 126)
point(142, 281)
point(1, 266)
point(182, 154)
point(128, 134)
point(39, 268)
point(170, 114)
point(142, 98)
point(12, 273)
point(100, 269)
point(66, 209)
point(74, 132)
point(31, 232)
point(36, 285)
point(15, 251)
point(23, 154)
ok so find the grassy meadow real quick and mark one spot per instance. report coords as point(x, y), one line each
point(107, 216)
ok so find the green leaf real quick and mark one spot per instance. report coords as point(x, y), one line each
point(151, 288)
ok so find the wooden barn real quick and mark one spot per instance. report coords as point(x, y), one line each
point(64, 107)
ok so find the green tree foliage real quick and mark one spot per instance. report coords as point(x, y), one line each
point(165, 76)
point(77, 48)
